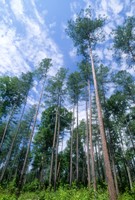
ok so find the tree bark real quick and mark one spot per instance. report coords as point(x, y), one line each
point(91, 143)
point(77, 135)
point(30, 140)
point(53, 148)
point(6, 127)
point(115, 176)
point(87, 145)
point(56, 157)
point(125, 162)
point(109, 177)
point(71, 146)
point(12, 144)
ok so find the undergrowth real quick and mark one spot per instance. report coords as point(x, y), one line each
point(64, 193)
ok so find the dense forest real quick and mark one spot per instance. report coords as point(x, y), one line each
point(98, 160)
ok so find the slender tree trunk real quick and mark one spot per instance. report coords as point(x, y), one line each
point(77, 153)
point(129, 177)
point(97, 164)
point(125, 162)
point(110, 181)
point(53, 147)
point(71, 146)
point(59, 164)
point(30, 139)
point(6, 127)
point(56, 157)
point(12, 144)
point(115, 176)
point(130, 135)
point(87, 145)
point(91, 143)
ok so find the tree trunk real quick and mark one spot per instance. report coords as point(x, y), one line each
point(87, 145)
point(130, 135)
point(125, 161)
point(110, 181)
point(53, 148)
point(91, 143)
point(12, 144)
point(30, 140)
point(77, 154)
point(115, 176)
point(6, 127)
point(57, 146)
point(129, 177)
point(71, 146)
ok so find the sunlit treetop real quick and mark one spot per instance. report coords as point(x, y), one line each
point(85, 30)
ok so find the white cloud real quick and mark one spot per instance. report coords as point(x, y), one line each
point(115, 6)
point(73, 53)
point(37, 13)
point(52, 25)
point(17, 8)
point(3, 1)
point(74, 6)
point(30, 44)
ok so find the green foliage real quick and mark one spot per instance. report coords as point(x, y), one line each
point(43, 68)
point(124, 39)
point(128, 195)
point(64, 193)
point(31, 187)
point(84, 30)
point(74, 86)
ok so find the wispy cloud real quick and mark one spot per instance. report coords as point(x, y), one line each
point(25, 39)
point(73, 53)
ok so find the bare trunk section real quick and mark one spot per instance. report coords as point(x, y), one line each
point(59, 164)
point(115, 176)
point(91, 143)
point(6, 127)
point(129, 177)
point(30, 139)
point(130, 135)
point(12, 144)
point(109, 177)
point(87, 145)
point(125, 162)
point(53, 148)
point(57, 146)
point(77, 135)
point(71, 147)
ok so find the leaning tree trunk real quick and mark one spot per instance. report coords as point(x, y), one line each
point(6, 127)
point(71, 147)
point(12, 144)
point(91, 143)
point(87, 145)
point(109, 177)
point(30, 140)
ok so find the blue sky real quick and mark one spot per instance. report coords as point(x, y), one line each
point(34, 29)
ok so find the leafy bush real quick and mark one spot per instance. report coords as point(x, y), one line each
point(32, 187)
